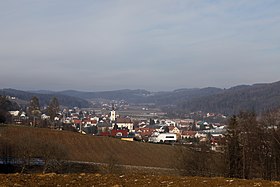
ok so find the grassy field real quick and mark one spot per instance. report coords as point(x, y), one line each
point(98, 149)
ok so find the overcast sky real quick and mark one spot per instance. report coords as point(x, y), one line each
point(94, 45)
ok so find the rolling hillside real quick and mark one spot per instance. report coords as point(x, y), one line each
point(97, 149)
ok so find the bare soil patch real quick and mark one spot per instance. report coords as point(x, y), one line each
point(118, 180)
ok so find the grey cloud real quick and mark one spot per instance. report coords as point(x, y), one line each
point(126, 44)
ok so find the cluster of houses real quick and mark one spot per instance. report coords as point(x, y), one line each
point(187, 131)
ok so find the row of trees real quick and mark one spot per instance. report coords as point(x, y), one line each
point(29, 150)
point(35, 111)
point(5, 106)
point(251, 150)
point(253, 146)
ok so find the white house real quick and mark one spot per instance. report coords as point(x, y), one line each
point(124, 123)
point(14, 113)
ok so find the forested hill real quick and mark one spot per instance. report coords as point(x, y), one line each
point(257, 97)
point(125, 94)
point(44, 99)
point(144, 96)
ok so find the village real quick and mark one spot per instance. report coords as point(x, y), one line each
point(133, 123)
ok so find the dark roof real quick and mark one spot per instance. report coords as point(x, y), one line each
point(153, 126)
point(104, 124)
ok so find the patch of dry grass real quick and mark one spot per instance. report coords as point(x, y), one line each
point(98, 149)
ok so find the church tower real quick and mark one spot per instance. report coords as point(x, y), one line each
point(113, 114)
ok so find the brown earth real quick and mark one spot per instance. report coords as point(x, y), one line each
point(114, 180)
point(96, 148)
point(99, 149)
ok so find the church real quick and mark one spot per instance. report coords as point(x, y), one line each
point(120, 122)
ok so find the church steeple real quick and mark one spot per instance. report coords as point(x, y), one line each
point(113, 106)
point(113, 114)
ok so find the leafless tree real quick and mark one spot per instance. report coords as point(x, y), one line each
point(51, 153)
point(26, 149)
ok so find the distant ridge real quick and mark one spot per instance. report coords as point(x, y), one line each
point(44, 98)
point(257, 97)
point(124, 94)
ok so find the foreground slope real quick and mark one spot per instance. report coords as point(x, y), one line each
point(97, 149)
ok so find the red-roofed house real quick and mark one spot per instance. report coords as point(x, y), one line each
point(188, 134)
point(77, 121)
point(173, 129)
point(145, 131)
point(119, 133)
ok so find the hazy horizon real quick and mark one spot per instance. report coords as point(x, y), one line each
point(60, 90)
point(158, 45)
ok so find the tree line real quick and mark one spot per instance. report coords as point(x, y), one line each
point(28, 151)
point(253, 146)
point(65, 100)
point(5, 106)
point(258, 97)
point(33, 111)
point(251, 150)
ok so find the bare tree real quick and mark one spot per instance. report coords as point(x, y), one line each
point(250, 144)
point(270, 161)
point(253, 147)
point(198, 161)
point(32, 148)
point(53, 109)
point(34, 109)
point(51, 153)
point(112, 162)
point(233, 150)
point(26, 149)
point(6, 151)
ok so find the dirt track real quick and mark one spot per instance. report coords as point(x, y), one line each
point(122, 180)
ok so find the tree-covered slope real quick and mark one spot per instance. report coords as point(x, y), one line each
point(257, 97)
point(44, 99)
